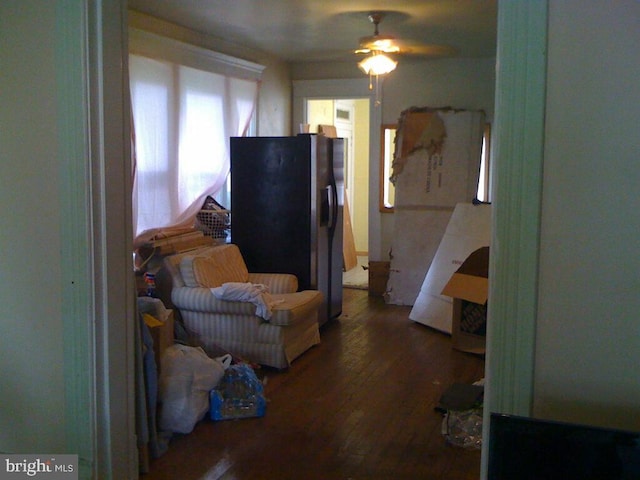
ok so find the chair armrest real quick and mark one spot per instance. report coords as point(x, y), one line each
point(277, 282)
point(200, 299)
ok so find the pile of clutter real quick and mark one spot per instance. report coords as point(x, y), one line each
point(193, 385)
point(461, 406)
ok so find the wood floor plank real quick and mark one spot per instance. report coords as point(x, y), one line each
point(358, 406)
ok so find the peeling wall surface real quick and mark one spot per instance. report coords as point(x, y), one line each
point(435, 168)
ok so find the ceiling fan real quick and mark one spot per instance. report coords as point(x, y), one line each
point(378, 47)
point(377, 42)
point(386, 44)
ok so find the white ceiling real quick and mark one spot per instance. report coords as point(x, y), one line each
point(314, 30)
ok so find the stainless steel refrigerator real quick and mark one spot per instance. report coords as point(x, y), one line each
point(287, 197)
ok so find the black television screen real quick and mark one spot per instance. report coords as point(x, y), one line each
point(522, 448)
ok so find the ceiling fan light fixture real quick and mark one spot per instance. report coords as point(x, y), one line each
point(377, 64)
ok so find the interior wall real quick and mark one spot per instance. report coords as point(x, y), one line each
point(31, 344)
point(321, 112)
point(461, 83)
point(467, 83)
point(588, 338)
point(274, 105)
point(274, 102)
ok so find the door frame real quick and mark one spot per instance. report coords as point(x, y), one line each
point(517, 163)
point(97, 281)
point(304, 90)
point(349, 177)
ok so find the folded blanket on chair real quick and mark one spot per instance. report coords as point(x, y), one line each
point(255, 293)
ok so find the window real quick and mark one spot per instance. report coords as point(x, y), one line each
point(483, 180)
point(387, 149)
point(183, 117)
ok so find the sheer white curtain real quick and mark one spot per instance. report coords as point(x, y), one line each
point(183, 119)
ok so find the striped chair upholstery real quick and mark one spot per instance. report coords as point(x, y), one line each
point(234, 326)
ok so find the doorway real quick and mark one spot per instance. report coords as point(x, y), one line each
point(351, 118)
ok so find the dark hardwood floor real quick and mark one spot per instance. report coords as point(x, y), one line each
point(358, 406)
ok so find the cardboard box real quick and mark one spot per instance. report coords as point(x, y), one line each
point(378, 277)
point(163, 337)
point(469, 288)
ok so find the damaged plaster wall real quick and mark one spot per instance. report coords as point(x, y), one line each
point(436, 166)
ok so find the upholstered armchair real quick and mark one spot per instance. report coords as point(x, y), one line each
point(274, 333)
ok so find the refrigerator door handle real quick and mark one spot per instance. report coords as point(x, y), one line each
point(332, 205)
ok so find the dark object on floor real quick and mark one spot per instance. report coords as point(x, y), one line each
point(460, 396)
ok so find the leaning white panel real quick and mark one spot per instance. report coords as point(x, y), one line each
point(468, 230)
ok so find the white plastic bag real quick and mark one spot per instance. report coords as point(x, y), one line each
point(187, 375)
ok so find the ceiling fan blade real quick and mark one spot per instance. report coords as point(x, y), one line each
point(381, 43)
point(427, 50)
point(413, 49)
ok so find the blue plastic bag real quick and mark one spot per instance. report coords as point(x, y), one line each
point(239, 394)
